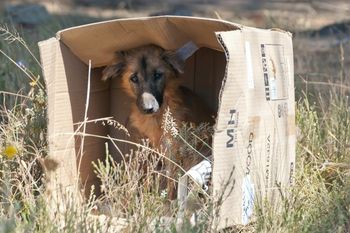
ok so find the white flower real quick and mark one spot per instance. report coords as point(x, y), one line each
point(169, 125)
point(163, 194)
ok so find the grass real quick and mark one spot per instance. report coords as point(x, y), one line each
point(318, 202)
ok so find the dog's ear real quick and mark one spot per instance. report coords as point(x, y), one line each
point(177, 59)
point(115, 70)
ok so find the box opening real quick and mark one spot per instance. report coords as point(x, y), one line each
point(98, 42)
point(203, 75)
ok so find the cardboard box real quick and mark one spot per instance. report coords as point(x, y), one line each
point(243, 73)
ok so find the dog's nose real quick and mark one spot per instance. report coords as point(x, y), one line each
point(148, 110)
point(149, 103)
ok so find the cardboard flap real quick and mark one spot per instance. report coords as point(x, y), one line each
point(255, 131)
point(59, 113)
point(100, 41)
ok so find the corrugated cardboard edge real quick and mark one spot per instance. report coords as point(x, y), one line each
point(239, 26)
point(282, 31)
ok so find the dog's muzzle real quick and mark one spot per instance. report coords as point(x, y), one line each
point(149, 104)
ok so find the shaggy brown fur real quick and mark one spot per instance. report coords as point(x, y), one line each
point(151, 69)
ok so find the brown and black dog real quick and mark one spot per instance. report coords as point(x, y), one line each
point(149, 74)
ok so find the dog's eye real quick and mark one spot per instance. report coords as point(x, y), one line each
point(134, 78)
point(158, 75)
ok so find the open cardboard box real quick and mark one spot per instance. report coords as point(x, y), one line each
point(244, 74)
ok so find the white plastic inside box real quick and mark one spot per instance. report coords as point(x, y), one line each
point(200, 174)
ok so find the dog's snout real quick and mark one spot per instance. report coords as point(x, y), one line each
point(149, 104)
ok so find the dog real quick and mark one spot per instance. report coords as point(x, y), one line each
point(150, 76)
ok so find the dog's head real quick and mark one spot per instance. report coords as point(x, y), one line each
point(145, 72)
